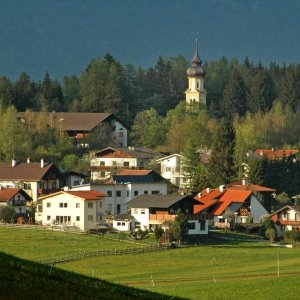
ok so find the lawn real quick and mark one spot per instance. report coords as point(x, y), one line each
point(223, 270)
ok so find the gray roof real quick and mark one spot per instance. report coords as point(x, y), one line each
point(157, 201)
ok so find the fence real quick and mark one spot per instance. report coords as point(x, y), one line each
point(102, 252)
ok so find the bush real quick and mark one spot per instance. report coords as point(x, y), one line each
point(159, 232)
point(271, 234)
point(8, 214)
point(291, 236)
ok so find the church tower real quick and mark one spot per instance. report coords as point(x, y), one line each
point(195, 92)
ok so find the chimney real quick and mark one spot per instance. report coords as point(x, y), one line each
point(42, 163)
point(207, 190)
point(244, 182)
point(28, 160)
point(199, 195)
point(222, 188)
point(261, 153)
point(13, 162)
point(66, 188)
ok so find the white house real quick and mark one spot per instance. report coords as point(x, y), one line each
point(286, 218)
point(126, 185)
point(171, 168)
point(110, 159)
point(82, 209)
point(149, 211)
point(17, 198)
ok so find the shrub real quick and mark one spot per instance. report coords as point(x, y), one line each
point(291, 236)
point(159, 232)
point(8, 214)
point(271, 234)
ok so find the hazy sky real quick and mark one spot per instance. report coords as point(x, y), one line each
point(62, 36)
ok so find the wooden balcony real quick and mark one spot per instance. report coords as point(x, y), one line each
point(160, 218)
point(47, 191)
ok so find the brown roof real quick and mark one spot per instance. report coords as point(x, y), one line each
point(24, 171)
point(130, 152)
point(7, 194)
point(74, 121)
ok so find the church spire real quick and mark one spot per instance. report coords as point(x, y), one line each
point(196, 59)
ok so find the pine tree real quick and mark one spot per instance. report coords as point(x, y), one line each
point(221, 167)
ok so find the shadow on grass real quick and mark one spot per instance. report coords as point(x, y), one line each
point(23, 279)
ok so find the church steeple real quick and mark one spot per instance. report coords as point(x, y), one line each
point(195, 72)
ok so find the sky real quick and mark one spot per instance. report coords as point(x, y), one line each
point(62, 36)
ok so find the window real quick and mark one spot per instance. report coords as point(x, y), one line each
point(142, 211)
point(61, 205)
point(102, 174)
point(77, 218)
point(118, 193)
point(65, 205)
point(146, 192)
point(77, 205)
point(192, 225)
point(48, 218)
point(27, 186)
point(48, 204)
point(136, 193)
point(119, 223)
point(127, 193)
point(53, 185)
point(90, 218)
point(135, 211)
point(100, 204)
point(155, 192)
point(202, 225)
point(102, 163)
point(168, 169)
point(75, 182)
point(90, 204)
point(109, 209)
point(118, 208)
point(126, 163)
point(109, 193)
point(137, 225)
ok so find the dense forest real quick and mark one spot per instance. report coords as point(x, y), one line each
point(262, 104)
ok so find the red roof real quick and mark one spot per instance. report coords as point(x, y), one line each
point(250, 187)
point(229, 197)
point(7, 194)
point(85, 195)
point(207, 199)
point(273, 154)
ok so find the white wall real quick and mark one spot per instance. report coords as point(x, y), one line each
point(119, 128)
point(197, 229)
point(139, 217)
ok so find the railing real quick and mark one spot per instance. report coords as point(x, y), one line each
point(161, 217)
point(102, 252)
point(47, 191)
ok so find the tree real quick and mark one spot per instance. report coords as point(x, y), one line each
point(147, 129)
point(221, 167)
point(234, 96)
point(7, 214)
point(159, 232)
point(180, 226)
point(284, 199)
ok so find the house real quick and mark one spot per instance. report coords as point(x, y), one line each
point(72, 178)
point(110, 159)
point(125, 185)
point(149, 211)
point(34, 178)
point(224, 204)
point(122, 222)
point(78, 125)
point(275, 154)
point(286, 218)
point(81, 209)
point(17, 198)
point(171, 168)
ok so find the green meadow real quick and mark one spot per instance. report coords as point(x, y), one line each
point(218, 270)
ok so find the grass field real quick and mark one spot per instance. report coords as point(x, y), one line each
point(226, 270)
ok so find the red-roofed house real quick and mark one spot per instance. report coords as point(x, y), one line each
point(81, 209)
point(275, 154)
point(286, 218)
point(217, 202)
point(17, 198)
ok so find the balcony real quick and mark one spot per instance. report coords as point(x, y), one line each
point(160, 217)
point(19, 203)
point(289, 222)
point(47, 191)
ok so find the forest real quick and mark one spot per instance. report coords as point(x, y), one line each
point(249, 106)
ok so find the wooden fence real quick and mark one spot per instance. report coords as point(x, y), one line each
point(102, 252)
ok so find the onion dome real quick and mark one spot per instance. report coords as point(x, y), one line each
point(195, 68)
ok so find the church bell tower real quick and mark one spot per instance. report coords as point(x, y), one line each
point(195, 93)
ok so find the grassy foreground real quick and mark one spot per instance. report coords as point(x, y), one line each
point(20, 279)
point(219, 270)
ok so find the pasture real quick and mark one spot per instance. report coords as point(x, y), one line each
point(222, 270)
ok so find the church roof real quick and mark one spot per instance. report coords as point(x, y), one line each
point(196, 69)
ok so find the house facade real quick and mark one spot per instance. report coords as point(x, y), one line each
point(126, 185)
point(17, 198)
point(110, 159)
point(81, 209)
point(171, 168)
point(150, 211)
point(35, 179)
point(287, 218)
